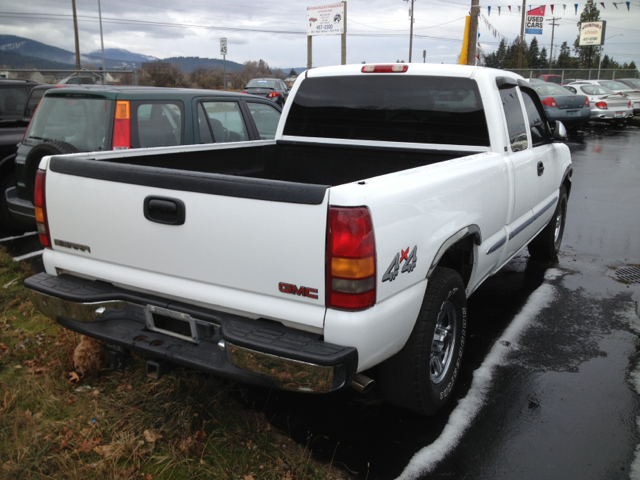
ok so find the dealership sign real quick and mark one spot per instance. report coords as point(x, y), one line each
point(326, 19)
point(535, 21)
point(592, 33)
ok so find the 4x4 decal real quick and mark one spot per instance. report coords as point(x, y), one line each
point(409, 259)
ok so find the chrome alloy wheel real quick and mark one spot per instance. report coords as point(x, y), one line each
point(557, 233)
point(443, 343)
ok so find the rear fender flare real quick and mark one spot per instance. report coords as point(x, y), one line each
point(469, 230)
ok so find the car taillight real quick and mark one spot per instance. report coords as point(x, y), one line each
point(586, 102)
point(122, 127)
point(396, 68)
point(549, 102)
point(41, 209)
point(602, 105)
point(351, 264)
point(629, 104)
point(243, 92)
point(273, 95)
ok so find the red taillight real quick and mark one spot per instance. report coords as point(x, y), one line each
point(273, 95)
point(122, 127)
point(394, 68)
point(243, 92)
point(41, 209)
point(351, 264)
point(602, 105)
point(586, 102)
point(549, 102)
point(629, 104)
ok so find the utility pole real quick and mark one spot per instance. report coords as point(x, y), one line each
point(411, 32)
point(473, 32)
point(344, 37)
point(524, 6)
point(75, 31)
point(104, 68)
point(553, 29)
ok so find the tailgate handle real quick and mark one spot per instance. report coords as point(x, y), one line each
point(169, 211)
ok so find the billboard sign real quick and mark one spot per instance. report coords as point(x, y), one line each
point(592, 33)
point(535, 21)
point(326, 19)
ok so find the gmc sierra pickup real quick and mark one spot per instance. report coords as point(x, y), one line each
point(340, 252)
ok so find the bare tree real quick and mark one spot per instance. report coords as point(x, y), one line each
point(162, 75)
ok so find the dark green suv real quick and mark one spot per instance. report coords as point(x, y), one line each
point(87, 118)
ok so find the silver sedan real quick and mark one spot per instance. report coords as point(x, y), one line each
point(606, 105)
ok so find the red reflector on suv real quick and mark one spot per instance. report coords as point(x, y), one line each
point(394, 68)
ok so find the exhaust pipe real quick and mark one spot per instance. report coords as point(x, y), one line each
point(157, 370)
point(362, 384)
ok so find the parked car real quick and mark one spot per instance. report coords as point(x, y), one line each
point(567, 81)
point(621, 88)
point(12, 132)
point(572, 109)
point(634, 83)
point(552, 78)
point(271, 88)
point(606, 105)
point(89, 118)
point(13, 99)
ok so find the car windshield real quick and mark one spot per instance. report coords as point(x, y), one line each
point(262, 84)
point(610, 84)
point(392, 108)
point(550, 89)
point(79, 121)
point(596, 90)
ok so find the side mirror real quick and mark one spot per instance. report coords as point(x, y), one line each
point(559, 132)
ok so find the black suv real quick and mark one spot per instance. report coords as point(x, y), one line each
point(87, 118)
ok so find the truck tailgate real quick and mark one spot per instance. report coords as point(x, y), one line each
point(239, 235)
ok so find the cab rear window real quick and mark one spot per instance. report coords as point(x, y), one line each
point(81, 121)
point(392, 108)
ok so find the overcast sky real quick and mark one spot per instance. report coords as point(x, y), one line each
point(378, 30)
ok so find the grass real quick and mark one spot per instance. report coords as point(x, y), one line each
point(121, 425)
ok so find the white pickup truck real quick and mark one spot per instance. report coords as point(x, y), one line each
point(341, 252)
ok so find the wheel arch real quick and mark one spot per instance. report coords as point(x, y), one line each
point(458, 252)
point(7, 163)
point(566, 180)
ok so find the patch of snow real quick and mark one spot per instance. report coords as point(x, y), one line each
point(465, 412)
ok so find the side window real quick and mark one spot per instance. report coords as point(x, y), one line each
point(266, 119)
point(203, 126)
point(538, 125)
point(156, 124)
point(225, 119)
point(515, 119)
point(571, 89)
point(12, 102)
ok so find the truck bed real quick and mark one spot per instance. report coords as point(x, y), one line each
point(298, 162)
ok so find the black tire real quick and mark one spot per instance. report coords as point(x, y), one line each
point(49, 147)
point(546, 245)
point(419, 377)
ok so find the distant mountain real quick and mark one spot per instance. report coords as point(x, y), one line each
point(298, 70)
point(31, 48)
point(123, 55)
point(189, 64)
point(15, 60)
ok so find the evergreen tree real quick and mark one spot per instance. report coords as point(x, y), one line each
point(292, 73)
point(544, 61)
point(533, 54)
point(590, 13)
point(498, 58)
point(565, 60)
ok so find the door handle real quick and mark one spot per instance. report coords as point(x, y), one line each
point(168, 211)
point(540, 168)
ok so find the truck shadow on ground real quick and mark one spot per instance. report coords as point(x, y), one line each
point(371, 439)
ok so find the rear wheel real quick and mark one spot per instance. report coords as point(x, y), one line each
point(546, 245)
point(421, 376)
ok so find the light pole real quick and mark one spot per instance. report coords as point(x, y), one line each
point(104, 74)
point(602, 50)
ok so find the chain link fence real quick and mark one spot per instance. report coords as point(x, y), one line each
point(78, 77)
point(578, 74)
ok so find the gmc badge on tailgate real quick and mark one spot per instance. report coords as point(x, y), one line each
point(300, 291)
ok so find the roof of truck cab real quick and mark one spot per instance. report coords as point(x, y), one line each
point(445, 70)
